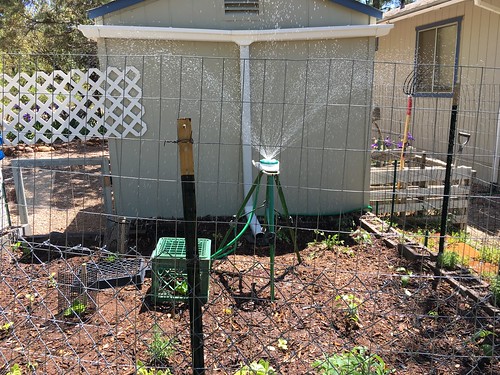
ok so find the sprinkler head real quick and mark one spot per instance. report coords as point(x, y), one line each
point(268, 166)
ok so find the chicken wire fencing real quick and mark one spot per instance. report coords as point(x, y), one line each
point(330, 266)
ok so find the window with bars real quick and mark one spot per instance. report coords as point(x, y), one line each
point(241, 6)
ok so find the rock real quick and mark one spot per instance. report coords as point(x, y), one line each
point(44, 148)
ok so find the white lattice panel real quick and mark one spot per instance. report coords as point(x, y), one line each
point(65, 106)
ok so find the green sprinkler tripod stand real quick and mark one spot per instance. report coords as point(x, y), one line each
point(269, 168)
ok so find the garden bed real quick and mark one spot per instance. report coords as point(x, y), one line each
point(418, 187)
point(338, 298)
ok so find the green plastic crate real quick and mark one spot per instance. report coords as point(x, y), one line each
point(169, 271)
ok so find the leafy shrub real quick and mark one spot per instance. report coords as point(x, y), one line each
point(358, 361)
point(161, 348)
point(257, 368)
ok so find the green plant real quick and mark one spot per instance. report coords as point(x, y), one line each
point(450, 260)
point(143, 370)
point(495, 289)
point(358, 361)
point(262, 367)
point(6, 327)
point(282, 344)
point(77, 308)
point(181, 287)
point(161, 348)
point(111, 258)
point(490, 254)
point(361, 237)
point(329, 241)
point(405, 277)
point(350, 304)
point(51, 282)
point(484, 340)
point(459, 237)
point(14, 370)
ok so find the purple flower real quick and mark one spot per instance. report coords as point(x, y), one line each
point(388, 142)
point(27, 117)
point(410, 137)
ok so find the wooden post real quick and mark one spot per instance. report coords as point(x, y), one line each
point(185, 142)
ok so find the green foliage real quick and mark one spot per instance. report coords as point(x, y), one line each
point(77, 308)
point(282, 344)
point(459, 237)
point(6, 327)
point(361, 237)
point(329, 241)
point(14, 370)
point(490, 254)
point(143, 370)
point(48, 29)
point(181, 288)
point(350, 304)
point(448, 260)
point(262, 367)
point(405, 277)
point(358, 361)
point(484, 340)
point(161, 348)
point(495, 289)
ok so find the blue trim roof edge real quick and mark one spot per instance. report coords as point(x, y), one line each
point(111, 7)
point(120, 4)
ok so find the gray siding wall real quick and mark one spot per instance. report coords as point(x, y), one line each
point(318, 110)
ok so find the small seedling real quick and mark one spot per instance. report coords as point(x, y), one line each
point(14, 370)
point(433, 314)
point(282, 344)
point(262, 367)
point(356, 361)
point(161, 348)
point(77, 308)
point(51, 282)
point(484, 339)
point(350, 304)
point(361, 237)
point(6, 329)
point(406, 277)
point(111, 258)
point(142, 370)
point(328, 241)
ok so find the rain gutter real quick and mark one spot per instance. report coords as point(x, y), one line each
point(243, 38)
point(240, 37)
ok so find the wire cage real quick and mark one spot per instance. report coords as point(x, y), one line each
point(77, 292)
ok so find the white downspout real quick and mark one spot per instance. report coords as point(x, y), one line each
point(496, 156)
point(246, 131)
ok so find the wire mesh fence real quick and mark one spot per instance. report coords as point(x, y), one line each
point(300, 277)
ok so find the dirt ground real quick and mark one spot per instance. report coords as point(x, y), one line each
point(414, 329)
point(333, 301)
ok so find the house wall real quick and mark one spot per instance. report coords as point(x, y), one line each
point(315, 110)
point(479, 76)
point(210, 14)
